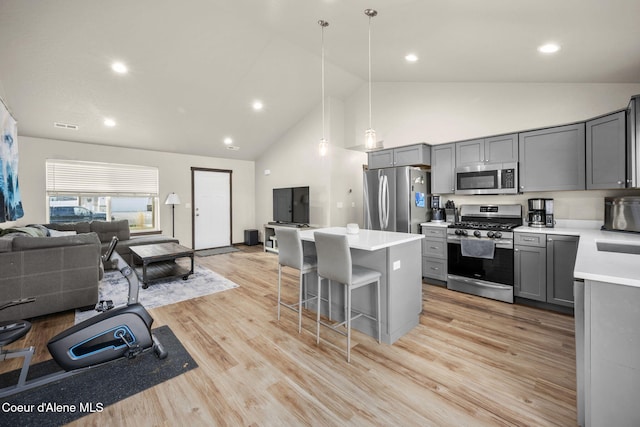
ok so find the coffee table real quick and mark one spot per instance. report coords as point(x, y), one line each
point(159, 262)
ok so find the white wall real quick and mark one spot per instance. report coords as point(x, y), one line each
point(174, 171)
point(295, 161)
point(405, 113)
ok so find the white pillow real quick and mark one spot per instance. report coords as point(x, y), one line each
point(56, 233)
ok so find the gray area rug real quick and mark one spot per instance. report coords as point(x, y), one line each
point(96, 388)
point(116, 288)
point(217, 251)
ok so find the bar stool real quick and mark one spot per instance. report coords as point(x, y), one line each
point(334, 264)
point(290, 255)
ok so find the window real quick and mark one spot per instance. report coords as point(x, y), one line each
point(87, 191)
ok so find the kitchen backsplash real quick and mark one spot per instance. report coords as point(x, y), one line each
point(576, 205)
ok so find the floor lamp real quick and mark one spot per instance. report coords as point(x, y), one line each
point(173, 200)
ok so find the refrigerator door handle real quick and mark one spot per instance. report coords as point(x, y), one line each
point(380, 206)
point(386, 203)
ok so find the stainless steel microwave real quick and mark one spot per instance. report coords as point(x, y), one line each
point(487, 178)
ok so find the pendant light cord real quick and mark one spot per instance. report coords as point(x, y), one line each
point(322, 24)
point(369, 71)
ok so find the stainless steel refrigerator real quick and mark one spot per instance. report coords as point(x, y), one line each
point(396, 199)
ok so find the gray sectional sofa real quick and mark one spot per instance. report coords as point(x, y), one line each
point(59, 264)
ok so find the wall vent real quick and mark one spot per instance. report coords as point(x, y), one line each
point(65, 126)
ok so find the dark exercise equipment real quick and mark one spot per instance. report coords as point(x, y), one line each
point(119, 332)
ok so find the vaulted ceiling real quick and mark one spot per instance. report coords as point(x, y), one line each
point(196, 66)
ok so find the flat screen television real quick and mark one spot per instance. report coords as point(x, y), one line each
point(291, 205)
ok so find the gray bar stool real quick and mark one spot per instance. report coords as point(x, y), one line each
point(290, 255)
point(334, 264)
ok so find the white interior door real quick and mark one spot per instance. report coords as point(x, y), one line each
point(211, 208)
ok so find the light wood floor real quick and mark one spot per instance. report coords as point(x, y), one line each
point(471, 361)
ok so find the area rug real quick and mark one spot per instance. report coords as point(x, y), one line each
point(217, 251)
point(116, 288)
point(93, 389)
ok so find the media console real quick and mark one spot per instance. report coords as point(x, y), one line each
point(269, 237)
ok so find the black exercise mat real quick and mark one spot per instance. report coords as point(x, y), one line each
point(97, 387)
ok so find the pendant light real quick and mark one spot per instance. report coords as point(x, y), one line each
point(323, 147)
point(370, 134)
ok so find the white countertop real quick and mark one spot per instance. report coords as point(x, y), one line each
point(435, 224)
point(592, 264)
point(368, 240)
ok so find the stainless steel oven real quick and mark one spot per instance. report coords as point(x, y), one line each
point(487, 178)
point(480, 251)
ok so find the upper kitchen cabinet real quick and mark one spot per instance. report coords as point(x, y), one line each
point(442, 168)
point(410, 155)
point(606, 151)
point(497, 149)
point(552, 159)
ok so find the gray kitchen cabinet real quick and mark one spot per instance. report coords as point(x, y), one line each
point(606, 151)
point(434, 252)
point(443, 165)
point(530, 266)
point(552, 159)
point(561, 260)
point(381, 159)
point(497, 149)
point(469, 152)
point(410, 155)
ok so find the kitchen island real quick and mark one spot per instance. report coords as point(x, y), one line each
point(397, 256)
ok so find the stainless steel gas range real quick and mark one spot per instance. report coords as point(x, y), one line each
point(480, 250)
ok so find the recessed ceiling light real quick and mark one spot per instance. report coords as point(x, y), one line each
point(257, 105)
point(412, 57)
point(228, 141)
point(549, 48)
point(109, 122)
point(119, 68)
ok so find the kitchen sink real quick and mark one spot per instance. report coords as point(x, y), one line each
point(625, 248)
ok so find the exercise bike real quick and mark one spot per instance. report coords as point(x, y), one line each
point(119, 332)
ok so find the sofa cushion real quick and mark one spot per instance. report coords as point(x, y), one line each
point(106, 230)
point(78, 227)
point(27, 243)
point(6, 244)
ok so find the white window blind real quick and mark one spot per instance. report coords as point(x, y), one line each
point(69, 176)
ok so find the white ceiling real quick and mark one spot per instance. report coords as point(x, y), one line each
point(197, 65)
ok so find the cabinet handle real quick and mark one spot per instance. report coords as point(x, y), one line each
point(549, 239)
point(516, 250)
point(522, 187)
point(528, 239)
point(433, 247)
point(435, 268)
point(619, 182)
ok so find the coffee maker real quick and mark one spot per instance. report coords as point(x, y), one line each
point(541, 213)
point(437, 213)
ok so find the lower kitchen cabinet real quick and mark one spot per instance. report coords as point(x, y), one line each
point(543, 267)
point(561, 260)
point(434, 252)
point(530, 271)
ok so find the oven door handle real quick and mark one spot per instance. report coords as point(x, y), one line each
point(483, 283)
point(499, 244)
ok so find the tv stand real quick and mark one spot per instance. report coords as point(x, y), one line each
point(270, 241)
